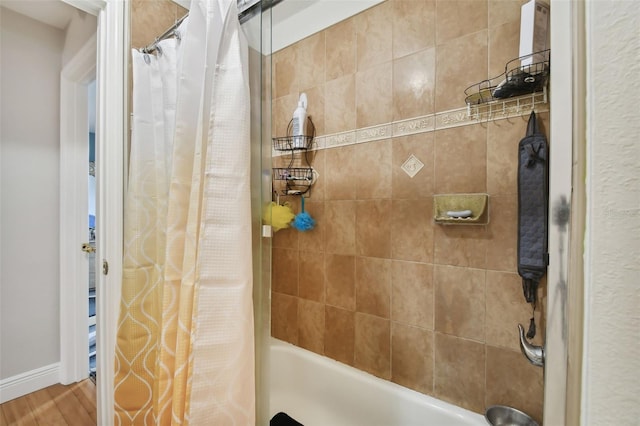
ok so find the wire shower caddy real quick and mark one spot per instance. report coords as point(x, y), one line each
point(297, 180)
point(520, 87)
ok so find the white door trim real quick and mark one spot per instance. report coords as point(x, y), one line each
point(112, 47)
point(561, 387)
point(111, 139)
point(74, 226)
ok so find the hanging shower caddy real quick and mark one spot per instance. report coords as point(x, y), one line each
point(521, 87)
point(295, 179)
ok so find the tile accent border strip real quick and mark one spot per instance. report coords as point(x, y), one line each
point(510, 108)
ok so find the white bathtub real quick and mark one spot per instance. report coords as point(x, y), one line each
point(318, 391)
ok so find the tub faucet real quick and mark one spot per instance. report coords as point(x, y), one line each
point(535, 354)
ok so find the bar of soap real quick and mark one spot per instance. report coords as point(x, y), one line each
point(459, 213)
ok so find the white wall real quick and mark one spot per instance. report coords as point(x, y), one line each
point(79, 30)
point(295, 20)
point(612, 248)
point(31, 58)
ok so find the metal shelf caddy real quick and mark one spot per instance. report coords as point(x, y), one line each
point(518, 89)
point(298, 180)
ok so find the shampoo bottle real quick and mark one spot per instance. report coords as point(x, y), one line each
point(299, 122)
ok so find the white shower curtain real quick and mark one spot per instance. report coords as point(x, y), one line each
point(185, 350)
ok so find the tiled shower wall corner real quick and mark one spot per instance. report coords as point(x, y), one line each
point(377, 285)
point(150, 18)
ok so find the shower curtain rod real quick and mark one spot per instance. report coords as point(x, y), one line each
point(247, 9)
point(171, 32)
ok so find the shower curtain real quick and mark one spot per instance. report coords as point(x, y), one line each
point(185, 346)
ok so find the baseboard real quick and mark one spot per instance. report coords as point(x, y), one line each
point(31, 381)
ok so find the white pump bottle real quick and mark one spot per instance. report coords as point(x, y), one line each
point(299, 122)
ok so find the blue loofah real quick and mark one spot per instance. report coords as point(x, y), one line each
point(303, 222)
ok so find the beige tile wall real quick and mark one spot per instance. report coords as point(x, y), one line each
point(377, 285)
point(150, 18)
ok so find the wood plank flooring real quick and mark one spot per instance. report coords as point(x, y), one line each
point(57, 405)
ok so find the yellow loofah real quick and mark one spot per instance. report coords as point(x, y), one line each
point(278, 216)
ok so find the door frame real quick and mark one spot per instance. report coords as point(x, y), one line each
point(565, 296)
point(110, 63)
point(74, 177)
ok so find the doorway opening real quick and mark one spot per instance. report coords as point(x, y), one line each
point(78, 249)
point(92, 229)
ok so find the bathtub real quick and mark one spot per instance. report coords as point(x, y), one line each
point(318, 391)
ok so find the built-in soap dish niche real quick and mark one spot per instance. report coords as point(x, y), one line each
point(461, 209)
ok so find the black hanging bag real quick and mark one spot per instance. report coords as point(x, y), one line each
point(533, 207)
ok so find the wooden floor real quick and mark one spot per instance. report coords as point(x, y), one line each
point(72, 405)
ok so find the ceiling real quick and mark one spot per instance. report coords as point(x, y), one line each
point(51, 12)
